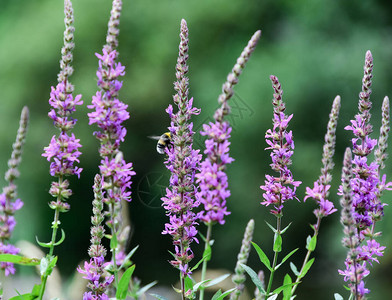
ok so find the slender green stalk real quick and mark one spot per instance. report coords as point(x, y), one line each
point(239, 273)
point(276, 253)
point(204, 267)
point(113, 249)
point(315, 234)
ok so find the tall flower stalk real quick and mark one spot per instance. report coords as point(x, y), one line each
point(279, 189)
point(183, 162)
point(63, 150)
point(9, 203)
point(239, 277)
point(366, 186)
point(212, 178)
point(355, 271)
point(94, 270)
point(109, 114)
point(320, 190)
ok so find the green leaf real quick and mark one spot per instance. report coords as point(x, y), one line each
point(287, 290)
point(284, 229)
point(219, 296)
point(272, 227)
point(202, 237)
point(207, 252)
point(217, 280)
point(306, 268)
point(206, 256)
point(338, 296)
point(128, 257)
point(188, 283)
point(20, 260)
point(283, 287)
point(146, 288)
point(263, 258)
point(52, 263)
point(23, 297)
point(277, 242)
point(44, 245)
point(286, 258)
point(61, 240)
point(273, 297)
point(311, 243)
point(36, 290)
point(29, 296)
point(252, 274)
point(113, 242)
point(201, 283)
point(123, 284)
point(159, 297)
point(294, 269)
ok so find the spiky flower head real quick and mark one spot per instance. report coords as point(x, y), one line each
point(109, 114)
point(366, 187)
point(9, 203)
point(63, 150)
point(380, 153)
point(183, 162)
point(355, 271)
point(281, 188)
point(212, 178)
point(320, 191)
point(94, 270)
point(242, 258)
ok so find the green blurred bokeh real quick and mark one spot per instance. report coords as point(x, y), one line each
point(315, 47)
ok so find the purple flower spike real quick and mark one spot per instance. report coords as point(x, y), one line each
point(109, 113)
point(183, 162)
point(321, 187)
point(9, 204)
point(365, 188)
point(63, 150)
point(212, 178)
point(94, 270)
point(282, 188)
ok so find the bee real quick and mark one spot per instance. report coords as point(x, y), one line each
point(164, 141)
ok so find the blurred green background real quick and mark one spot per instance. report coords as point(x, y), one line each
point(315, 47)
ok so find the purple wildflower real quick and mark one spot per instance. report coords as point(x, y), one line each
point(366, 186)
point(63, 150)
point(183, 162)
point(9, 204)
point(109, 114)
point(355, 270)
point(94, 270)
point(322, 185)
point(212, 178)
point(279, 189)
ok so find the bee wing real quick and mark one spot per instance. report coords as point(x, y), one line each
point(154, 137)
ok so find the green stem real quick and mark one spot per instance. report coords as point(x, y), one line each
point(44, 277)
point(316, 231)
point(182, 286)
point(204, 267)
point(113, 250)
point(278, 228)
